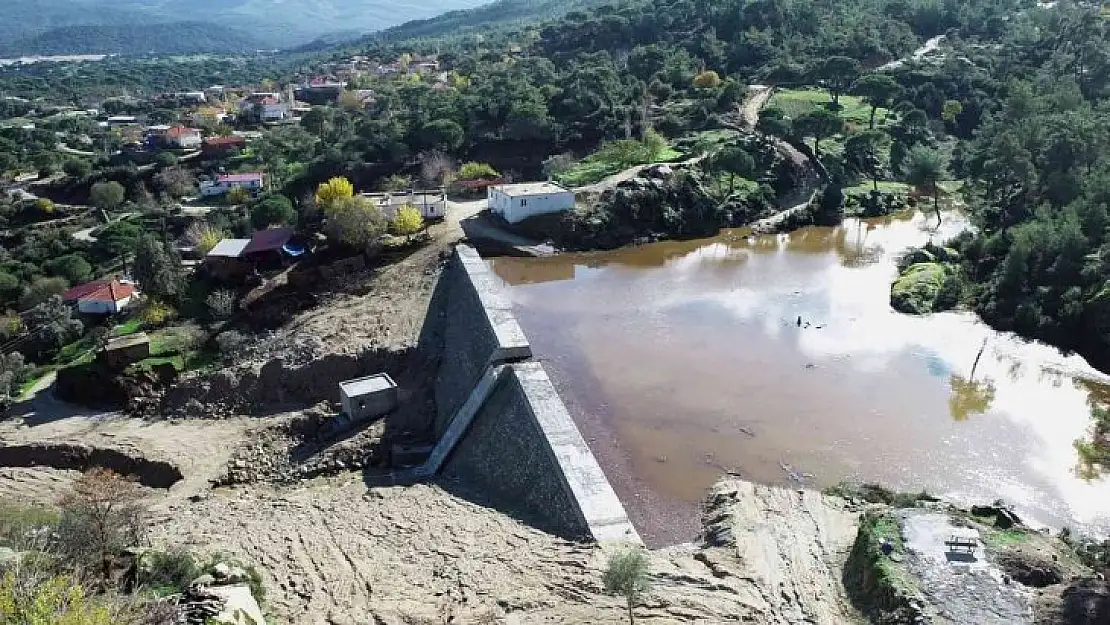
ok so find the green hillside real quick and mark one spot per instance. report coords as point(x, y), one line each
point(172, 38)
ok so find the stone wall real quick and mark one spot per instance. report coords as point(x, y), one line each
point(480, 330)
point(508, 433)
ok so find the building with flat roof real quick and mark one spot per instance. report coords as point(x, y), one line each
point(517, 202)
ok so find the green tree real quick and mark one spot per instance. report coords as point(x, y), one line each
point(317, 121)
point(442, 134)
point(9, 287)
point(952, 109)
point(157, 269)
point(819, 124)
point(879, 90)
point(77, 168)
point(837, 72)
point(732, 162)
point(355, 222)
point(863, 150)
point(627, 576)
point(236, 196)
point(275, 209)
point(925, 168)
point(165, 159)
point(107, 195)
point(41, 290)
point(72, 267)
point(119, 238)
point(773, 121)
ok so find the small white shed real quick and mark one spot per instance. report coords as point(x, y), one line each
point(517, 202)
point(369, 397)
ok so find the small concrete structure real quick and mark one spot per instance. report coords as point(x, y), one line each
point(125, 350)
point(369, 397)
point(517, 202)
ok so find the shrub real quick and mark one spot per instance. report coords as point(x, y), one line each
point(477, 171)
point(355, 222)
point(156, 314)
point(231, 343)
point(221, 304)
point(58, 600)
point(204, 236)
point(44, 206)
point(707, 79)
point(627, 575)
point(167, 572)
point(237, 195)
point(409, 221)
point(20, 524)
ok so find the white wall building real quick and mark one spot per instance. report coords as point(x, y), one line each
point(432, 203)
point(226, 182)
point(517, 202)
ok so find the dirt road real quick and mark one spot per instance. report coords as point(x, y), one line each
point(334, 552)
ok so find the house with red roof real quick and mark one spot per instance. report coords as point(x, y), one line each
point(102, 297)
point(182, 137)
point(223, 146)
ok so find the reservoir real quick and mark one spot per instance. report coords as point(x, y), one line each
point(683, 360)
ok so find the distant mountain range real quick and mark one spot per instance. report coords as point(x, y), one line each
point(170, 38)
point(262, 23)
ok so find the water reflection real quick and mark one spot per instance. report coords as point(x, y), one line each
point(685, 350)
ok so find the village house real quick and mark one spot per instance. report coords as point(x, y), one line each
point(102, 297)
point(320, 90)
point(517, 202)
point(223, 183)
point(432, 203)
point(181, 137)
point(232, 260)
point(223, 146)
point(264, 107)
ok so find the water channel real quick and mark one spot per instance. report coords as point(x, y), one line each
point(683, 360)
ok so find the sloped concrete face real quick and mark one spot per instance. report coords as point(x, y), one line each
point(598, 506)
point(503, 429)
point(480, 331)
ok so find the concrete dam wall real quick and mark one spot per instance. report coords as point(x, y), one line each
point(502, 427)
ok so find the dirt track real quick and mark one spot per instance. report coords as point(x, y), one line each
point(334, 552)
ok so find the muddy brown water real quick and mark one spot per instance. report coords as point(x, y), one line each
point(684, 360)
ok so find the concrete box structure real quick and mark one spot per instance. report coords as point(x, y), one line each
point(369, 397)
point(517, 202)
point(122, 351)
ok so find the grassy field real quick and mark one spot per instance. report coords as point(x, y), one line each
point(853, 109)
point(606, 162)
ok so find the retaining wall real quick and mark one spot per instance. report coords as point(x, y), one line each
point(480, 331)
point(503, 428)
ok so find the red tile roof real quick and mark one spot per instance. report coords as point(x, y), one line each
point(100, 291)
point(181, 131)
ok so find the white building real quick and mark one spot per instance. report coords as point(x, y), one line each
point(517, 202)
point(432, 204)
point(226, 182)
point(103, 297)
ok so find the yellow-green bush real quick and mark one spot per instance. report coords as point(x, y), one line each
point(55, 600)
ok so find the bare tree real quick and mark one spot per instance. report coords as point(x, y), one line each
point(437, 168)
point(101, 516)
